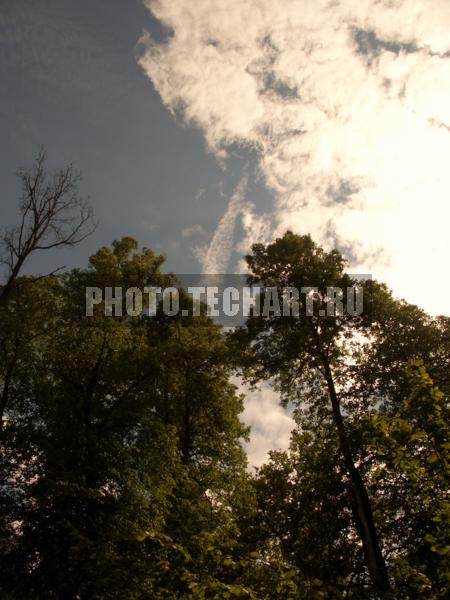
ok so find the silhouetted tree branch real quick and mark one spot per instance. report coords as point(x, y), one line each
point(52, 215)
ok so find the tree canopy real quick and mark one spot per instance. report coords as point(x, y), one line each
point(123, 473)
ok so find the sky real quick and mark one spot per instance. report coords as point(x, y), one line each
point(202, 127)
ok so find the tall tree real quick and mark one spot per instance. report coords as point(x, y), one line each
point(308, 352)
point(121, 455)
point(303, 511)
point(341, 366)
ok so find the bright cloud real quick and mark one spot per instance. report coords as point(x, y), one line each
point(271, 425)
point(217, 256)
point(194, 230)
point(348, 106)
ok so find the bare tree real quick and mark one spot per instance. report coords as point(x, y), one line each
point(52, 213)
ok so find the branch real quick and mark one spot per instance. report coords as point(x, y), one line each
point(52, 215)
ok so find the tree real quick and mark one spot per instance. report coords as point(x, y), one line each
point(121, 467)
point(52, 215)
point(341, 369)
point(304, 513)
point(121, 459)
point(81, 450)
point(409, 457)
point(305, 353)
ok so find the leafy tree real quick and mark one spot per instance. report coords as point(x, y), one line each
point(409, 452)
point(305, 513)
point(338, 369)
point(121, 453)
point(122, 472)
point(305, 352)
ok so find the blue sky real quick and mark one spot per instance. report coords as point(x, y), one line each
point(337, 114)
point(204, 126)
point(71, 82)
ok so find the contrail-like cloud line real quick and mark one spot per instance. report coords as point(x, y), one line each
point(345, 107)
point(219, 252)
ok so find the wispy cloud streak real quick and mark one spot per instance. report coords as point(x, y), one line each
point(217, 257)
point(348, 107)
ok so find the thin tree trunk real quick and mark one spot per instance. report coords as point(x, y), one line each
point(8, 287)
point(186, 441)
point(362, 509)
point(5, 391)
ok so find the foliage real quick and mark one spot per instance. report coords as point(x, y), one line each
point(122, 470)
point(121, 445)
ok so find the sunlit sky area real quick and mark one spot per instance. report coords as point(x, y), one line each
point(204, 126)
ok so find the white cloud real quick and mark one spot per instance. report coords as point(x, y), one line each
point(217, 256)
point(271, 425)
point(291, 79)
point(193, 230)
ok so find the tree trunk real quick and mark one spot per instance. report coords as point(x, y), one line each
point(8, 287)
point(5, 391)
point(362, 510)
